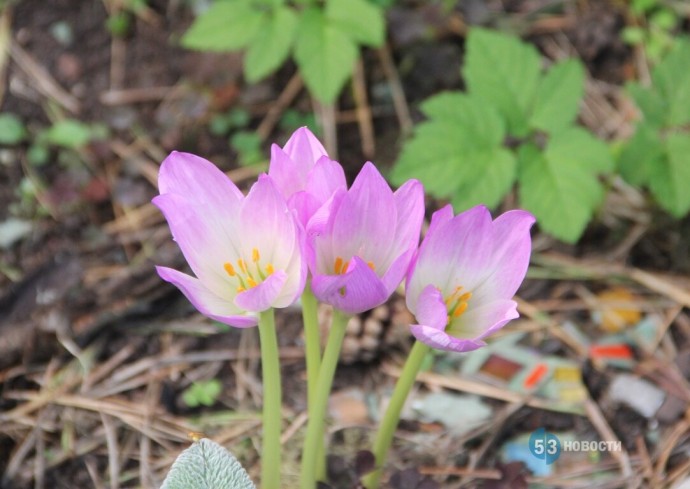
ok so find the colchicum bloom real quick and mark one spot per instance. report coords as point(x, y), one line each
point(304, 173)
point(360, 243)
point(246, 252)
point(467, 270)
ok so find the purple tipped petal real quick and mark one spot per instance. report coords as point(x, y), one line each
point(206, 301)
point(304, 148)
point(263, 296)
point(512, 249)
point(285, 173)
point(326, 177)
point(431, 309)
point(198, 180)
point(356, 291)
point(481, 321)
point(397, 270)
point(442, 341)
point(409, 203)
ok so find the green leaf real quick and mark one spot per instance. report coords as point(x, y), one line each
point(12, 131)
point(650, 103)
point(633, 35)
point(505, 72)
point(672, 79)
point(561, 194)
point(324, 54)
point(670, 181)
point(207, 465)
point(359, 19)
point(449, 151)
point(577, 147)
point(225, 26)
point(272, 47)
point(68, 133)
point(497, 176)
point(557, 102)
point(640, 155)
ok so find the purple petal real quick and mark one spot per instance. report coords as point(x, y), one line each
point(304, 148)
point(365, 223)
point(263, 296)
point(288, 177)
point(325, 178)
point(511, 255)
point(431, 309)
point(198, 180)
point(356, 291)
point(442, 341)
point(482, 320)
point(397, 270)
point(409, 203)
point(206, 235)
point(208, 303)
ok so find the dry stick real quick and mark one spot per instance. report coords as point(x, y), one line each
point(664, 453)
point(288, 94)
point(128, 96)
point(602, 426)
point(113, 451)
point(364, 117)
point(44, 83)
point(5, 39)
point(402, 110)
point(118, 55)
point(326, 115)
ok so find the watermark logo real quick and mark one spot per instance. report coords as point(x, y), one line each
point(545, 446)
point(548, 447)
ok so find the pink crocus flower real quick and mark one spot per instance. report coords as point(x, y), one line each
point(246, 252)
point(361, 242)
point(467, 269)
point(304, 173)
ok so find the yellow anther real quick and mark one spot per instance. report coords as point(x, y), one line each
point(269, 269)
point(345, 267)
point(338, 265)
point(462, 307)
point(240, 289)
point(251, 282)
point(371, 265)
point(465, 297)
point(242, 265)
point(255, 255)
point(229, 269)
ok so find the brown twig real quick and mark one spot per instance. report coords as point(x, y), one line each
point(363, 111)
point(291, 90)
point(397, 92)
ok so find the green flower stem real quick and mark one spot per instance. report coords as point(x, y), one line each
point(312, 340)
point(270, 367)
point(317, 411)
point(384, 436)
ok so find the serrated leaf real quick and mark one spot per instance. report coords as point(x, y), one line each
point(672, 79)
point(505, 72)
point(68, 133)
point(324, 54)
point(360, 20)
point(577, 147)
point(640, 155)
point(561, 195)
point(670, 181)
point(272, 47)
point(496, 177)
point(225, 26)
point(443, 154)
point(480, 125)
point(207, 465)
point(650, 102)
point(557, 102)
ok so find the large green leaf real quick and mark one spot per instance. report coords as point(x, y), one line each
point(270, 49)
point(361, 20)
point(207, 465)
point(325, 55)
point(672, 78)
point(650, 102)
point(504, 71)
point(670, 181)
point(562, 194)
point(492, 184)
point(557, 102)
point(225, 26)
point(453, 149)
point(577, 147)
point(641, 154)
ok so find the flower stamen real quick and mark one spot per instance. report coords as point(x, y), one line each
point(457, 303)
point(338, 266)
point(246, 278)
point(229, 269)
